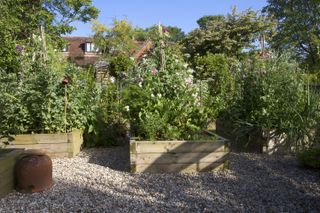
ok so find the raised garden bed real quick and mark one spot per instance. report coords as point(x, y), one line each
point(56, 145)
point(255, 143)
point(8, 158)
point(179, 156)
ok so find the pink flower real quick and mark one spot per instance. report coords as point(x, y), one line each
point(154, 71)
point(189, 81)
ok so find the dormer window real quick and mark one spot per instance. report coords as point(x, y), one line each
point(89, 47)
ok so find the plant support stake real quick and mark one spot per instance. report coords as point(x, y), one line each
point(65, 107)
point(65, 82)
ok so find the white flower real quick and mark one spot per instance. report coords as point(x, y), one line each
point(112, 79)
point(127, 108)
point(190, 71)
point(195, 95)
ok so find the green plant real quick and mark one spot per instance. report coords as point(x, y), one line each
point(33, 98)
point(120, 65)
point(274, 101)
point(214, 73)
point(229, 35)
point(297, 28)
point(310, 158)
point(110, 126)
point(162, 98)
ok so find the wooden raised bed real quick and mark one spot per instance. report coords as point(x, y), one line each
point(178, 156)
point(252, 143)
point(8, 158)
point(56, 145)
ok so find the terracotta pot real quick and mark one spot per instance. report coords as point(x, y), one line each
point(33, 173)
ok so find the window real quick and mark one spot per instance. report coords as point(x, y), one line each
point(89, 47)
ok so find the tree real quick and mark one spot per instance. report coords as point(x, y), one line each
point(20, 20)
point(54, 15)
point(228, 35)
point(175, 34)
point(205, 21)
point(298, 28)
point(140, 34)
point(117, 40)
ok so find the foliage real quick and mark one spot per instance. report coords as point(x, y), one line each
point(26, 17)
point(310, 158)
point(161, 98)
point(117, 40)
point(213, 71)
point(274, 101)
point(140, 34)
point(228, 35)
point(20, 20)
point(33, 99)
point(298, 28)
point(117, 44)
point(120, 65)
point(175, 34)
point(110, 127)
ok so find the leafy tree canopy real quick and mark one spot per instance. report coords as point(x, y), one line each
point(174, 34)
point(24, 17)
point(298, 28)
point(20, 20)
point(117, 40)
point(228, 35)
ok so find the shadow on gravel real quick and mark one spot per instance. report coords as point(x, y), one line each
point(269, 184)
point(116, 158)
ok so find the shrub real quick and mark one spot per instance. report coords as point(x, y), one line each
point(310, 158)
point(274, 99)
point(214, 72)
point(120, 65)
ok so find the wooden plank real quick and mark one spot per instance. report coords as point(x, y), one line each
point(59, 155)
point(6, 163)
point(178, 141)
point(62, 147)
point(6, 189)
point(7, 177)
point(39, 139)
point(179, 158)
point(180, 147)
point(8, 160)
point(184, 168)
point(76, 140)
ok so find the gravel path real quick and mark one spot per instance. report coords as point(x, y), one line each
point(97, 181)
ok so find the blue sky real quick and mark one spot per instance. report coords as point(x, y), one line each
point(180, 13)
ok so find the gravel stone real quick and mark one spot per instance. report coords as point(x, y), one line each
point(97, 180)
